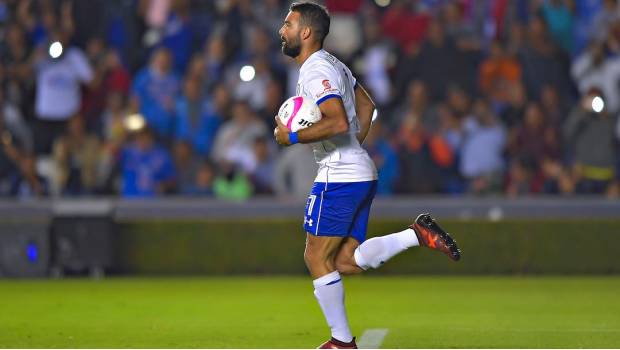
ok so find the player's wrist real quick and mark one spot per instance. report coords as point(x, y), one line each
point(293, 138)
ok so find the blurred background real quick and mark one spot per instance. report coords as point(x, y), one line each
point(121, 113)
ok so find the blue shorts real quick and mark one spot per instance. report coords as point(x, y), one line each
point(339, 209)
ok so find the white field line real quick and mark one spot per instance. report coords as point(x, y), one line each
point(372, 338)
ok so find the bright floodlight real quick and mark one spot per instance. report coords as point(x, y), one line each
point(598, 104)
point(134, 122)
point(55, 49)
point(382, 3)
point(247, 73)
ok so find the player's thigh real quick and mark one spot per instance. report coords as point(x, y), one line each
point(321, 248)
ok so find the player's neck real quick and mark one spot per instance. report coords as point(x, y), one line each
point(305, 53)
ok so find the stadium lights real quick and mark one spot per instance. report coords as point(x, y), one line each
point(598, 104)
point(55, 49)
point(134, 122)
point(247, 73)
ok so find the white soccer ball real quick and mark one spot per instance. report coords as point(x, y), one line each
point(298, 113)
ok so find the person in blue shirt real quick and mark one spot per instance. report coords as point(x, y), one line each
point(154, 90)
point(196, 119)
point(385, 158)
point(146, 168)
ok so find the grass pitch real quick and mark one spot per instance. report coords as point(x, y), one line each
point(281, 312)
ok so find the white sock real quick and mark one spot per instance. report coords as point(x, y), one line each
point(329, 291)
point(376, 251)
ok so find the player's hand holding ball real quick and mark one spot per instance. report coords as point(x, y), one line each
point(295, 114)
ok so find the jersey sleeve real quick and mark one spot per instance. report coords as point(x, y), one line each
point(323, 83)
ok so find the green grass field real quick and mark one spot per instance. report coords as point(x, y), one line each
point(281, 312)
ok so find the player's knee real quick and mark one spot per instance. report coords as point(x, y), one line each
point(346, 265)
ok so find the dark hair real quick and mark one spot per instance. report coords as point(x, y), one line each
point(314, 16)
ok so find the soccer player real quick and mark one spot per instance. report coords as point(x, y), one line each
point(338, 206)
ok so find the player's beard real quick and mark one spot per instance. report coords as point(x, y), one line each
point(291, 48)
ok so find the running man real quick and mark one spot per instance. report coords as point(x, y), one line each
point(339, 203)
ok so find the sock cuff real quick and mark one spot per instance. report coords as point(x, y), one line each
point(359, 259)
point(330, 278)
point(408, 238)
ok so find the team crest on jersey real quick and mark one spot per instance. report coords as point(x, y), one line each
point(326, 84)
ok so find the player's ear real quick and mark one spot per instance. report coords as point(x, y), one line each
point(306, 32)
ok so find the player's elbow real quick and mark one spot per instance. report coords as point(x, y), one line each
point(341, 127)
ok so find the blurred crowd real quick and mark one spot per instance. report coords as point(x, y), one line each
point(142, 98)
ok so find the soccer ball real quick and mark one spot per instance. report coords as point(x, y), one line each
point(298, 113)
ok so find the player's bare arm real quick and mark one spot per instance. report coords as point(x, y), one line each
point(333, 122)
point(364, 108)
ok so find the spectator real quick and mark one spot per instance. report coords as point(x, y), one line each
point(295, 171)
point(41, 28)
point(215, 56)
point(117, 77)
point(607, 14)
point(58, 79)
point(543, 63)
point(114, 135)
point(481, 156)
point(261, 173)
point(558, 15)
point(94, 98)
point(187, 164)
point(273, 101)
point(14, 123)
point(147, 169)
point(498, 74)
point(197, 121)
point(452, 16)
point(534, 140)
point(385, 157)
point(153, 92)
point(110, 77)
point(435, 62)
point(377, 58)
point(203, 181)
point(450, 129)
point(76, 156)
point(513, 112)
point(19, 83)
point(521, 178)
point(177, 34)
point(231, 183)
point(252, 89)
point(592, 136)
point(593, 70)
point(406, 27)
point(459, 101)
point(234, 141)
point(553, 107)
point(422, 156)
point(418, 103)
point(16, 160)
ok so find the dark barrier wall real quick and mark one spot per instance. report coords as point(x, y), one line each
point(224, 247)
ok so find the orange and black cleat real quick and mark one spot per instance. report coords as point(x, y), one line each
point(431, 235)
point(334, 343)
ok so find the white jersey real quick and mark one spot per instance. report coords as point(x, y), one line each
point(340, 158)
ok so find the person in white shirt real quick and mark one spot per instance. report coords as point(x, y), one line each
point(338, 206)
point(58, 95)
